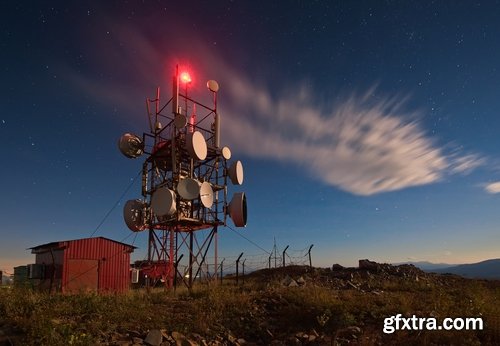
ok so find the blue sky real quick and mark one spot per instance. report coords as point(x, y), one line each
point(368, 129)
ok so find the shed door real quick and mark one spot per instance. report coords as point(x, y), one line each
point(82, 275)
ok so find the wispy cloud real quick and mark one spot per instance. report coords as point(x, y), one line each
point(363, 144)
point(465, 163)
point(493, 187)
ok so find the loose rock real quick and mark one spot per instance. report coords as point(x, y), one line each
point(154, 337)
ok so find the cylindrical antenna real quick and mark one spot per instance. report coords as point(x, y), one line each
point(149, 114)
point(157, 107)
point(175, 91)
point(175, 108)
point(213, 86)
point(192, 120)
point(144, 179)
point(217, 130)
point(215, 102)
point(157, 101)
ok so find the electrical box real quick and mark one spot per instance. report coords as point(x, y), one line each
point(36, 271)
point(135, 276)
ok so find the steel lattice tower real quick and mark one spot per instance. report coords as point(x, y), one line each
point(185, 178)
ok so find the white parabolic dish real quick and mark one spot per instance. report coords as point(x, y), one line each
point(188, 188)
point(237, 209)
point(163, 202)
point(180, 121)
point(236, 173)
point(206, 195)
point(226, 153)
point(132, 213)
point(213, 86)
point(131, 145)
point(196, 145)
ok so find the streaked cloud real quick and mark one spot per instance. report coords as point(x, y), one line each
point(363, 144)
point(493, 187)
point(466, 163)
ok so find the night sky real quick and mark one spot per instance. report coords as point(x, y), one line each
point(366, 128)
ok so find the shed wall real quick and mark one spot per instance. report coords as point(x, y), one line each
point(53, 262)
point(113, 262)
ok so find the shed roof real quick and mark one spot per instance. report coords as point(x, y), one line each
point(59, 244)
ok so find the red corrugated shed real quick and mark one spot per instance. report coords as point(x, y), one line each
point(91, 264)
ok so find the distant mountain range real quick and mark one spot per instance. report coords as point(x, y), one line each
point(428, 266)
point(489, 269)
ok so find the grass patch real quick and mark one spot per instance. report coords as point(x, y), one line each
point(260, 311)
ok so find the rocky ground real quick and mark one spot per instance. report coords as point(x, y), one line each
point(295, 305)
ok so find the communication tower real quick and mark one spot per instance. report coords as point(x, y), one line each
point(185, 178)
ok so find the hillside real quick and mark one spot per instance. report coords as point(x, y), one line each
point(295, 305)
point(489, 269)
point(427, 266)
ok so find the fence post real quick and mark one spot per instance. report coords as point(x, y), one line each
point(243, 264)
point(309, 252)
point(284, 252)
point(221, 270)
point(237, 267)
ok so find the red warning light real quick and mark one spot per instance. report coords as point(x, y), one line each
point(185, 77)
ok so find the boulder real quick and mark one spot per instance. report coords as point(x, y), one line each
point(369, 265)
point(289, 282)
point(154, 337)
point(337, 267)
point(180, 339)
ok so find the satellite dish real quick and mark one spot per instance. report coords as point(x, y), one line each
point(237, 209)
point(226, 153)
point(196, 145)
point(188, 188)
point(133, 215)
point(206, 195)
point(236, 173)
point(180, 121)
point(213, 86)
point(163, 202)
point(131, 145)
